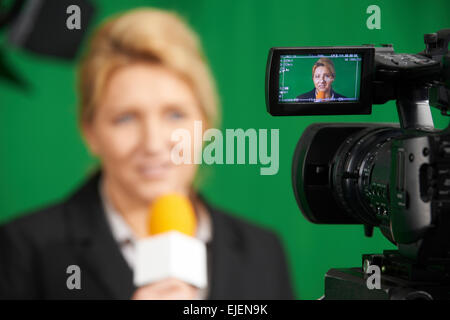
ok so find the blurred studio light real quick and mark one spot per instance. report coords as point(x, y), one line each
point(52, 28)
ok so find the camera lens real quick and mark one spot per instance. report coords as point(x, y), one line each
point(340, 173)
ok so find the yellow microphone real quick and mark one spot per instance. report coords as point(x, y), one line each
point(170, 250)
point(172, 212)
point(320, 95)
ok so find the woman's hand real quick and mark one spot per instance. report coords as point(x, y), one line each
point(168, 289)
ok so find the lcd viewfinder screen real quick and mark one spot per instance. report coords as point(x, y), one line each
point(320, 78)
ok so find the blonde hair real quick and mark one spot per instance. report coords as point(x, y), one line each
point(324, 62)
point(145, 34)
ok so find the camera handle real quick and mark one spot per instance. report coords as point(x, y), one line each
point(414, 109)
point(413, 103)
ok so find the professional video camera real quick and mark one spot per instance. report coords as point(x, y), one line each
point(395, 177)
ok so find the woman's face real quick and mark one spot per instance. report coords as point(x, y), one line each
point(131, 131)
point(323, 79)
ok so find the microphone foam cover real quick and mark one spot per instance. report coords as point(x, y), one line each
point(320, 95)
point(172, 212)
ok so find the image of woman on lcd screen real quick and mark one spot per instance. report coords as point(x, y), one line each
point(323, 76)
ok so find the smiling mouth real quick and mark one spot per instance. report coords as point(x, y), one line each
point(154, 171)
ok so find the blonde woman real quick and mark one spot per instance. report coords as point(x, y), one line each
point(323, 76)
point(142, 77)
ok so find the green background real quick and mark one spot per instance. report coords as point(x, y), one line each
point(299, 77)
point(43, 157)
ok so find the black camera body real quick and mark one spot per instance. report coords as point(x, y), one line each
point(392, 176)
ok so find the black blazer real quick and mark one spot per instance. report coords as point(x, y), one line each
point(312, 95)
point(245, 261)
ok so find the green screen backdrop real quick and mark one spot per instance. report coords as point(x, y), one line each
point(43, 158)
